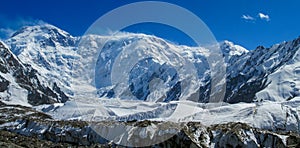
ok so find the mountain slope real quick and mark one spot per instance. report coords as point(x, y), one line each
point(284, 82)
point(20, 83)
point(49, 50)
point(255, 71)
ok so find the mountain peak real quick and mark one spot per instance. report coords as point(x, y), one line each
point(44, 34)
point(40, 29)
point(230, 49)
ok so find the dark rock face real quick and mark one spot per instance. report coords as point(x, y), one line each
point(140, 78)
point(27, 77)
point(4, 84)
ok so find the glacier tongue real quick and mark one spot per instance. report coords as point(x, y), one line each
point(275, 116)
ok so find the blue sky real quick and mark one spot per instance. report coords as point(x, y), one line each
point(246, 22)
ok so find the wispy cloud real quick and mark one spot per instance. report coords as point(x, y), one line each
point(264, 16)
point(11, 25)
point(6, 32)
point(248, 17)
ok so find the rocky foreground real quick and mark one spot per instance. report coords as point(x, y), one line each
point(24, 127)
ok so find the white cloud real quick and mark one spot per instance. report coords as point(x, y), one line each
point(264, 16)
point(248, 17)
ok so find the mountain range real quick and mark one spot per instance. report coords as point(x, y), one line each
point(51, 71)
point(251, 75)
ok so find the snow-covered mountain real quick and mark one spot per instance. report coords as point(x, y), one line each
point(265, 74)
point(49, 50)
point(129, 77)
point(20, 83)
point(251, 75)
